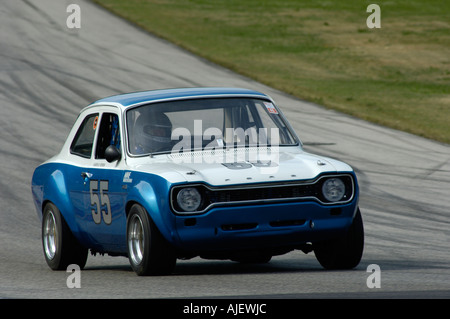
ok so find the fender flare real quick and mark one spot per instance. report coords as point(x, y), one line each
point(156, 206)
point(55, 191)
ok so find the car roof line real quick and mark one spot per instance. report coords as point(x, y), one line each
point(136, 98)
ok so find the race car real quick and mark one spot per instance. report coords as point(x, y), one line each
point(171, 174)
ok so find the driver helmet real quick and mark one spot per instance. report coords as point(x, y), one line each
point(153, 133)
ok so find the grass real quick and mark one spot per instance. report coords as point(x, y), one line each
point(322, 51)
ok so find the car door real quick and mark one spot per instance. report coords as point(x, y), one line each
point(105, 197)
point(77, 171)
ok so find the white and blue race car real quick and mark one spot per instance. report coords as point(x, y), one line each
point(178, 173)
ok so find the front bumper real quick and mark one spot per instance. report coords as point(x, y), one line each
point(273, 225)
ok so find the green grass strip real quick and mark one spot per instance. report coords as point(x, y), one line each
point(322, 51)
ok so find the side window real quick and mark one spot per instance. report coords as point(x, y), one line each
point(109, 134)
point(84, 139)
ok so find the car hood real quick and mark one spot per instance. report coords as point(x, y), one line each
point(219, 168)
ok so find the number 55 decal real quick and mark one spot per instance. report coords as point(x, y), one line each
point(100, 198)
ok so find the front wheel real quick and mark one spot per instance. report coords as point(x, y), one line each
point(149, 253)
point(345, 252)
point(60, 246)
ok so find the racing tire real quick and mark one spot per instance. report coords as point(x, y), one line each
point(60, 246)
point(344, 252)
point(148, 251)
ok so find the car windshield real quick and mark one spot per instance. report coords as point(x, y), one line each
point(198, 124)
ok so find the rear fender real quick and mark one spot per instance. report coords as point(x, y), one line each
point(55, 191)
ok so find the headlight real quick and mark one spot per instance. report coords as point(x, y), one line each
point(189, 199)
point(333, 189)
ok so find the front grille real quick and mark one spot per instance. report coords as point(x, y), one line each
point(260, 193)
point(263, 193)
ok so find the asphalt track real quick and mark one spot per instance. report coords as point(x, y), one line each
point(48, 72)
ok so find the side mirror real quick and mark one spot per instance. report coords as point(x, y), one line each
point(112, 154)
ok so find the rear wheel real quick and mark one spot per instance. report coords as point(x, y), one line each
point(345, 252)
point(149, 253)
point(60, 246)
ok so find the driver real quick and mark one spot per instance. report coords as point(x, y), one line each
point(153, 133)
